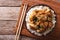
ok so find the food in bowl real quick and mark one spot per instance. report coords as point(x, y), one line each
point(40, 20)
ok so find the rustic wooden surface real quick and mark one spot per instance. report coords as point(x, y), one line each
point(11, 37)
point(8, 17)
point(55, 34)
point(9, 10)
point(10, 3)
point(9, 13)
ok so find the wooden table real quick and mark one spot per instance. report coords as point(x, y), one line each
point(9, 10)
point(8, 17)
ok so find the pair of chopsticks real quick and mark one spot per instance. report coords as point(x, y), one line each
point(17, 37)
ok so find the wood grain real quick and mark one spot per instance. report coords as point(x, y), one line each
point(12, 37)
point(54, 34)
point(8, 19)
point(7, 27)
point(57, 1)
point(7, 23)
point(7, 37)
point(9, 13)
point(8, 3)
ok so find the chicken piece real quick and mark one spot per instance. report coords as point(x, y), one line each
point(46, 24)
point(42, 25)
point(49, 18)
point(39, 12)
point(50, 24)
point(34, 19)
point(40, 30)
point(46, 9)
point(32, 15)
point(49, 14)
point(35, 26)
point(37, 23)
point(44, 18)
point(32, 26)
point(39, 17)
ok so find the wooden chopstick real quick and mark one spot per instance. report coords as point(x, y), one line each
point(21, 22)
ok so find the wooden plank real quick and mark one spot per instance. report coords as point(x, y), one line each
point(10, 3)
point(57, 1)
point(9, 13)
point(54, 34)
point(7, 37)
point(14, 2)
point(12, 37)
point(27, 38)
point(7, 27)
